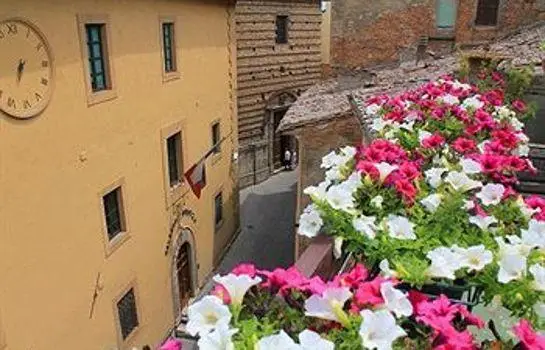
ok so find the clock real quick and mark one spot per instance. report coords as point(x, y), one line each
point(26, 69)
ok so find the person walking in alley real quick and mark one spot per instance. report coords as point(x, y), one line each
point(287, 159)
point(294, 159)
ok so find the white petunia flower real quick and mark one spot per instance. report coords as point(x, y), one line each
point(310, 340)
point(310, 222)
point(379, 124)
point(333, 174)
point(527, 211)
point(522, 151)
point(539, 308)
point(237, 286)
point(407, 125)
point(365, 225)
point(538, 272)
point(348, 152)
point(330, 160)
point(377, 201)
point(385, 270)
point(504, 113)
point(433, 176)
point(328, 306)
point(207, 314)
point(444, 263)
point(483, 221)
point(423, 134)
point(449, 99)
point(512, 267)
point(432, 202)
point(317, 192)
point(469, 166)
point(475, 258)
point(468, 205)
point(338, 247)
point(395, 300)
point(472, 102)
point(534, 236)
point(339, 197)
point(219, 339)
point(276, 342)
point(372, 110)
point(461, 182)
point(516, 124)
point(385, 169)
point(400, 227)
point(491, 194)
point(379, 330)
point(353, 182)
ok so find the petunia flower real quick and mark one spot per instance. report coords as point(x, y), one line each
point(483, 222)
point(400, 227)
point(534, 236)
point(218, 339)
point(461, 182)
point(339, 197)
point(538, 272)
point(432, 202)
point(395, 300)
point(444, 263)
point(331, 160)
point(469, 166)
point(379, 330)
point(329, 305)
point(206, 315)
point(317, 192)
point(512, 267)
point(385, 169)
point(475, 258)
point(365, 225)
point(276, 342)
point(237, 286)
point(310, 340)
point(385, 270)
point(530, 338)
point(472, 102)
point(172, 344)
point(491, 194)
point(310, 222)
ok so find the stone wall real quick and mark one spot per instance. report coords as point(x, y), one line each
point(369, 33)
point(315, 141)
point(266, 68)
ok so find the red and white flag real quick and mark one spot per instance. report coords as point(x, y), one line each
point(196, 176)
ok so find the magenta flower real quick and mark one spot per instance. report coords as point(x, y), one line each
point(519, 106)
point(528, 337)
point(222, 293)
point(171, 344)
point(409, 171)
point(368, 168)
point(353, 278)
point(434, 141)
point(245, 269)
point(464, 145)
point(368, 293)
point(406, 189)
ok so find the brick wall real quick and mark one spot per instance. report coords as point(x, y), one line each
point(315, 141)
point(369, 33)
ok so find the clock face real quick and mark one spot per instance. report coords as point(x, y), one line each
point(26, 69)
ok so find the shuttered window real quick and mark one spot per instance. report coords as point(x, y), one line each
point(216, 137)
point(174, 155)
point(218, 205)
point(487, 12)
point(128, 316)
point(282, 29)
point(95, 46)
point(113, 213)
point(169, 49)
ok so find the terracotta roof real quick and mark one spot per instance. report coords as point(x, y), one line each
point(329, 99)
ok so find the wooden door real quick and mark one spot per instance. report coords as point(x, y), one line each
point(446, 14)
point(183, 268)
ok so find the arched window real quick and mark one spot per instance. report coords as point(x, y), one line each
point(487, 12)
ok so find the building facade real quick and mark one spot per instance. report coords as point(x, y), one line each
point(103, 107)
point(370, 33)
point(279, 56)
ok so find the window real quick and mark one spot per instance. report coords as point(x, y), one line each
point(216, 137)
point(113, 213)
point(282, 29)
point(487, 12)
point(174, 155)
point(169, 48)
point(128, 317)
point(96, 51)
point(218, 209)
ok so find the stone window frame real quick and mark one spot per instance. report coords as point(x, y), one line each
point(173, 193)
point(482, 27)
point(95, 97)
point(132, 284)
point(176, 74)
point(111, 245)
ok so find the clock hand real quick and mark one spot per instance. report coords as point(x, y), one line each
point(20, 69)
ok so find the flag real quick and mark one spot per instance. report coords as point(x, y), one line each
point(196, 176)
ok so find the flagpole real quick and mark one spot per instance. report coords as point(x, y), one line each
point(206, 155)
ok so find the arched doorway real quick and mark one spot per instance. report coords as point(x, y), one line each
point(184, 271)
point(277, 107)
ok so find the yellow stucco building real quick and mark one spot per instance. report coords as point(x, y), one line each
point(104, 105)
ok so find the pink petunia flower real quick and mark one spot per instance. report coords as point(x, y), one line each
point(353, 278)
point(221, 293)
point(171, 344)
point(368, 293)
point(464, 145)
point(406, 189)
point(528, 337)
point(519, 106)
point(245, 269)
point(434, 141)
point(368, 168)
